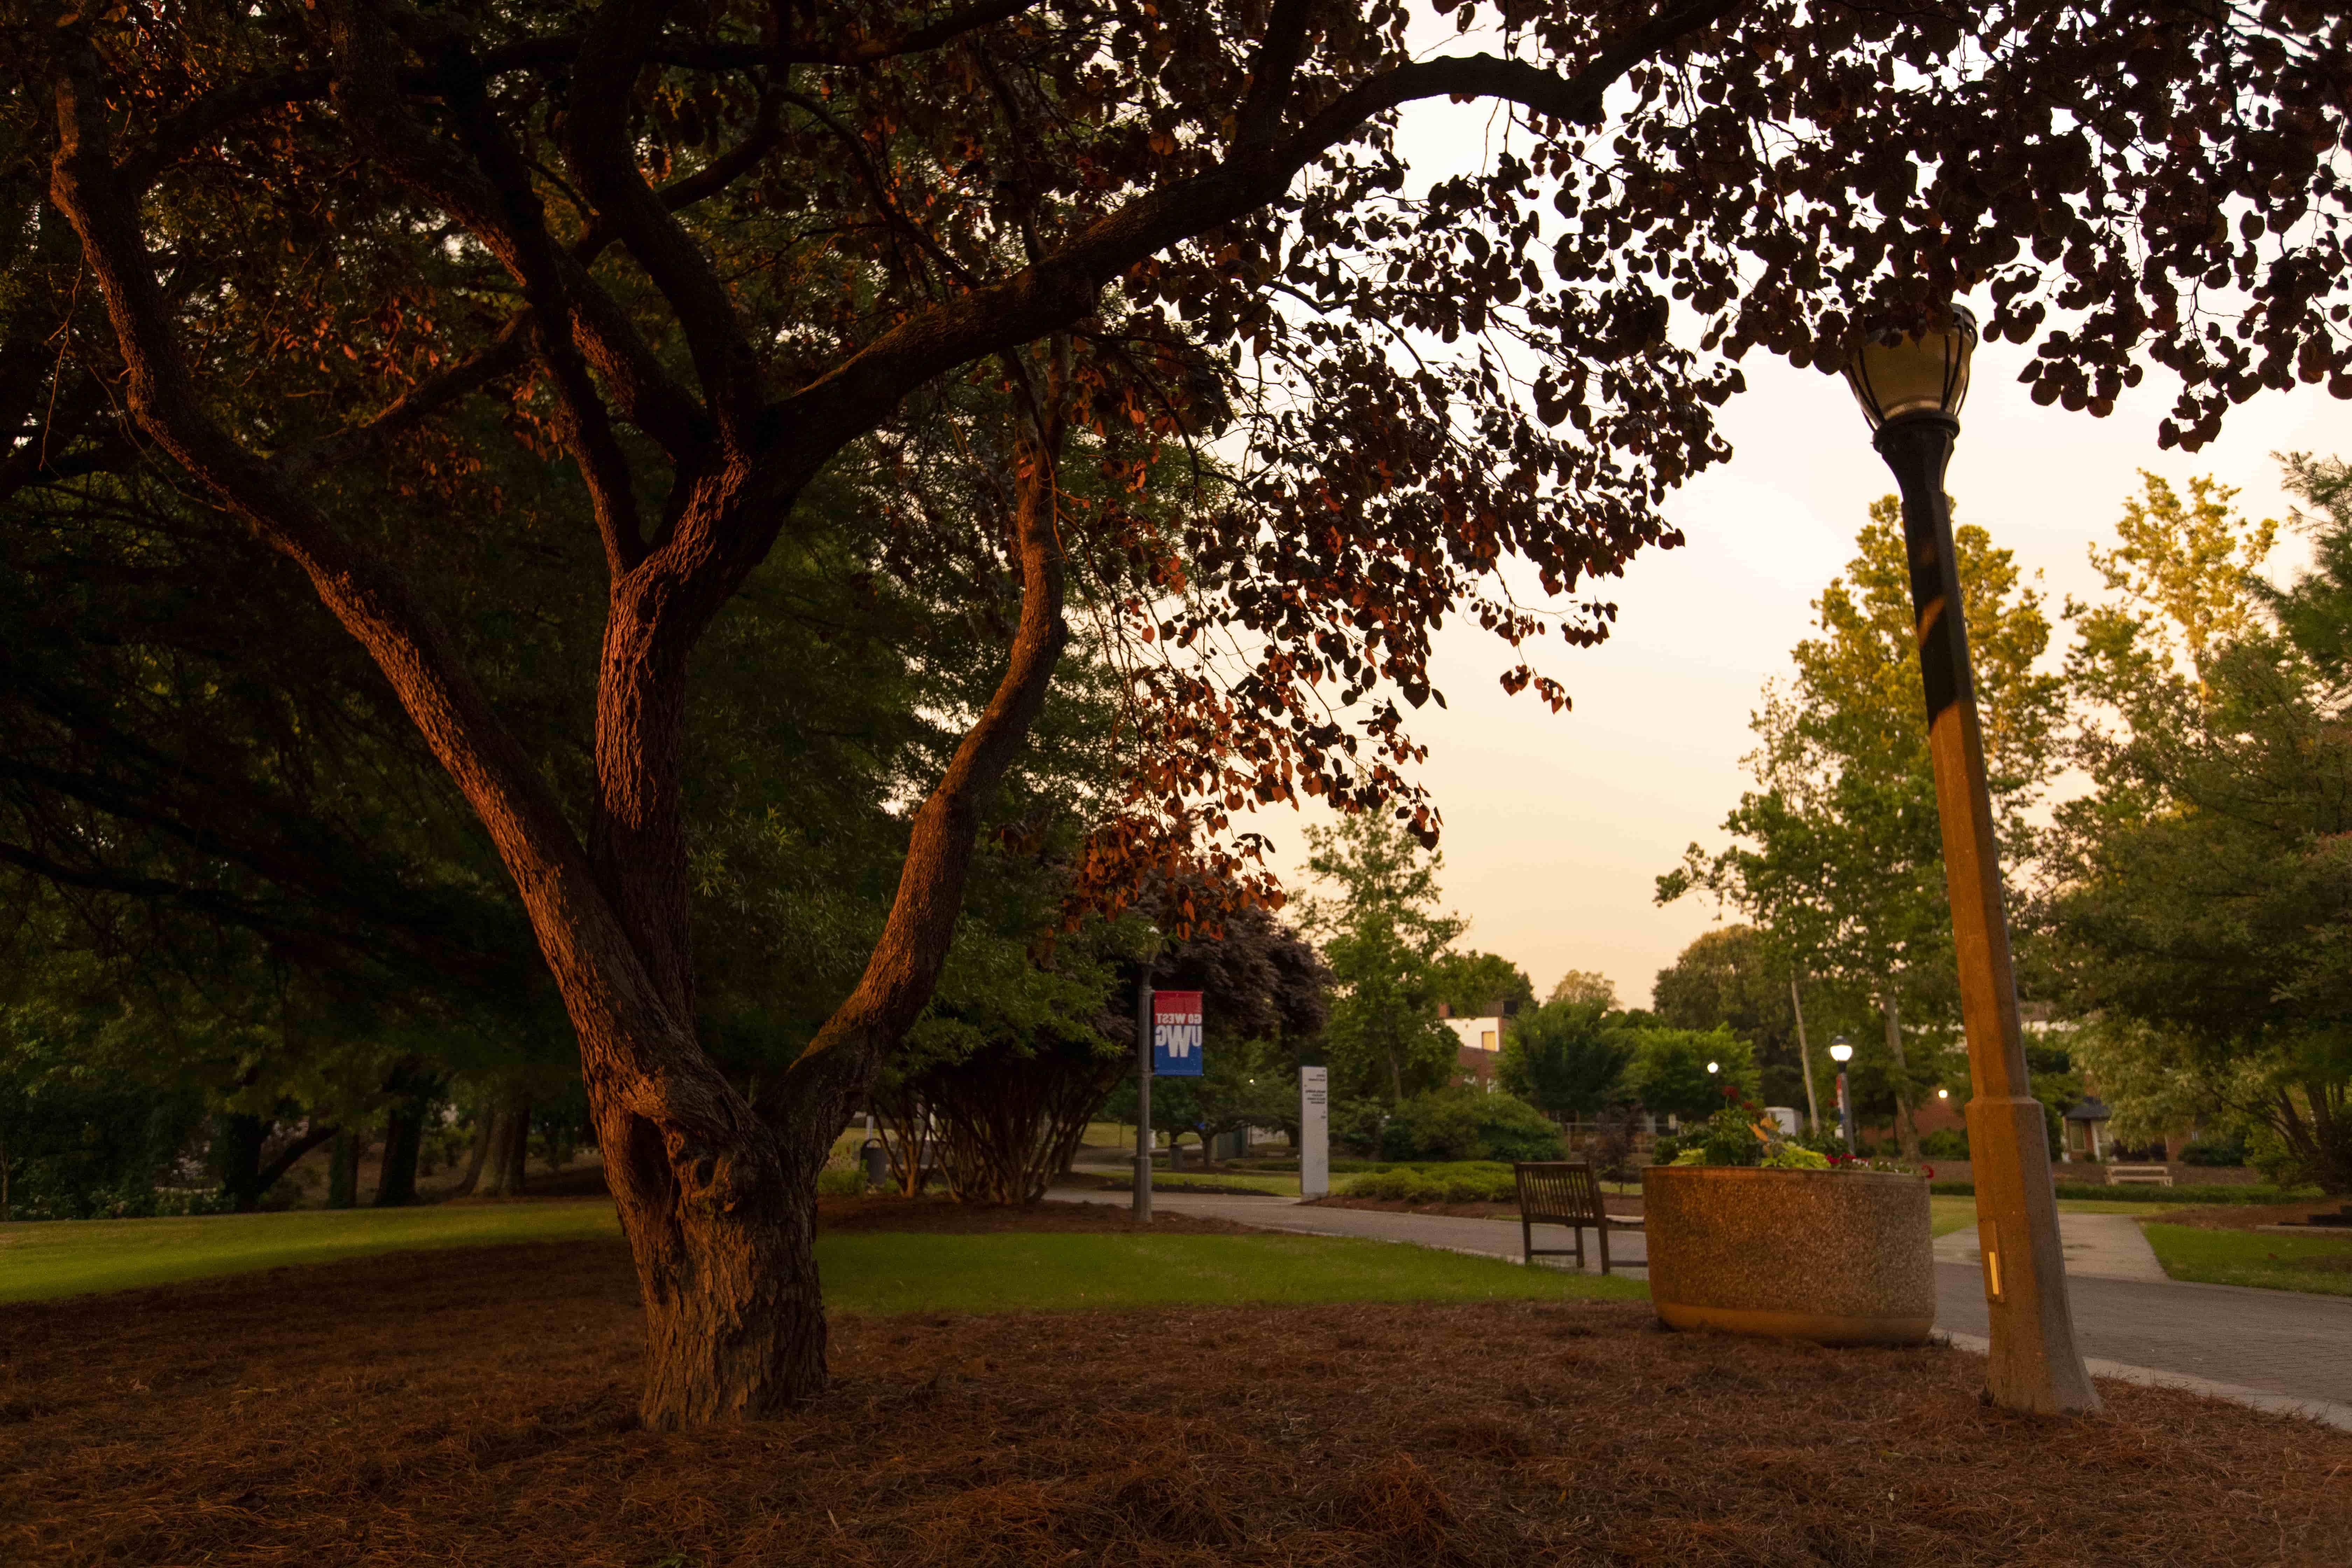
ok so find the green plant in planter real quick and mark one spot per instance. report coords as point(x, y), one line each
point(1740, 1134)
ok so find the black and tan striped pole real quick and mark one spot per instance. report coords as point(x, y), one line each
point(1911, 389)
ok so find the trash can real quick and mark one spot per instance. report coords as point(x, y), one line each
point(878, 1162)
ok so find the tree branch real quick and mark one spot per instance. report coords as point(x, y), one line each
point(310, 1139)
point(1273, 73)
point(1063, 287)
point(904, 964)
point(602, 982)
point(502, 356)
point(598, 145)
point(492, 195)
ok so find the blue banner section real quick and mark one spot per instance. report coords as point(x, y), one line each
point(1176, 1034)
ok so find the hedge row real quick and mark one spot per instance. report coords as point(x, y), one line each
point(1457, 1183)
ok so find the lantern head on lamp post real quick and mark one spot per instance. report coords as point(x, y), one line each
point(1911, 387)
point(1899, 378)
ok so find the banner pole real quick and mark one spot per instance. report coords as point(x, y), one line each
point(1143, 1102)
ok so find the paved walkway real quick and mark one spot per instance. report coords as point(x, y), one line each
point(2098, 1246)
point(2132, 1318)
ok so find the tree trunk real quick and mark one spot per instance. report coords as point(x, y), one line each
point(1906, 1127)
point(475, 1156)
point(506, 1145)
point(343, 1170)
point(403, 1140)
point(237, 1149)
point(517, 1163)
point(1805, 1058)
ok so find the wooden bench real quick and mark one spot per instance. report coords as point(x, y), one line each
point(2139, 1176)
point(1564, 1192)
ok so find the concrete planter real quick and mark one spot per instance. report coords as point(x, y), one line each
point(1844, 1257)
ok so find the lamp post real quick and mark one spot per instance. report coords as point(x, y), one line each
point(1841, 1052)
point(1910, 389)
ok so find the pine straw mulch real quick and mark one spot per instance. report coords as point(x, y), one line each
point(475, 1408)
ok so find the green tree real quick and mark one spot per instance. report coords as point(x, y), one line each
point(2202, 890)
point(1475, 985)
point(1382, 934)
point(1584, 985)
point(1733, 977)
point(2183, 573)
point(1566, 1057)
point(1468, 1124)
point(1838, 852)
point(1669, 1071)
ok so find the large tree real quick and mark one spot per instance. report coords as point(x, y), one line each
point(1732, 976)
point(722, 246)
point(2202, 889)
point(1378, 922)
point(1836, 852)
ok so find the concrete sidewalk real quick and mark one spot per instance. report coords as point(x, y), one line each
point(2222, 1339)
point(2098, 1246)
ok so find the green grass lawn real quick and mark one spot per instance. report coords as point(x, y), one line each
point(863, 1271)
point(68, 1258)
point(2313, 1263)
point(1016, 1270)
point(1946, 1215)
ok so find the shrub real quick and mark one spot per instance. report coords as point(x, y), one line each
point(1730, 1138)
point(1464, 1183)
point(1952, 1143)
point(2226, 1149)
point(1468, 1124)
point(1356, 1125)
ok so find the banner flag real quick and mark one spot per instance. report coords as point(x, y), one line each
point(1176, 1034)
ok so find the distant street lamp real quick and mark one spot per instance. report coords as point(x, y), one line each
point(1910, 389)
point(1714, 1067)
point(1841, 1052)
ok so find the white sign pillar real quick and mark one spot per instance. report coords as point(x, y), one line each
point(1313, 1132)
